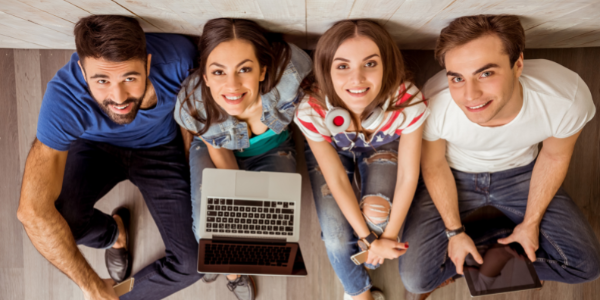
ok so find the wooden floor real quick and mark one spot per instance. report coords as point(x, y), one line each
point(24, 274)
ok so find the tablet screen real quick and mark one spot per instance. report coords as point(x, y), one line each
point(505, 268)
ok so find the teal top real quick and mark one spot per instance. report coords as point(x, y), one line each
point(260, 144)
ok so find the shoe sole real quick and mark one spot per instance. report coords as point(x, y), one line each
point(126, 219)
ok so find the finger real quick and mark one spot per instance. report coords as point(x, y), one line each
point(398, 253)
point(401, 245)
point(381, 261)
point(476, 256)
point(530, 254)
point(460, 261)
point(507, 240)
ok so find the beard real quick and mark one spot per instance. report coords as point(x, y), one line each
point(120, 118)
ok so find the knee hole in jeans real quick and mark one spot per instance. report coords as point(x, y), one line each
point(383, 156)
point(376, 209)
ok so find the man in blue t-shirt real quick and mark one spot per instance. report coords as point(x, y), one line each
point(107, 116)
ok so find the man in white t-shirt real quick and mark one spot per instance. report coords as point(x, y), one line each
point(489, 111)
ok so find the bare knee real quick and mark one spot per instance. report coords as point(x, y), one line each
point(376, 209)
point(383, 156)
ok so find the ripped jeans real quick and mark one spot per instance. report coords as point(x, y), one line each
point(279, 159)
point(378, 170)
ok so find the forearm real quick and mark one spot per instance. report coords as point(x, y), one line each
point(442, 189)
point(342, 192)
point(403, 196)
point(547, 176)
point(52, 237)
point(187, 141)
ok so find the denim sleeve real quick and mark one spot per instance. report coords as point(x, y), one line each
point(181, 114)
point(301, 61)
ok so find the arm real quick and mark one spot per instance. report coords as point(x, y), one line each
point(47, 229)
point(406, 182)
point(187, 141)
point(442, 189)
point(548, 174)
point(339, 185)
point(221, 157)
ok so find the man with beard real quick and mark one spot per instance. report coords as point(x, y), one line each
point(107, 116)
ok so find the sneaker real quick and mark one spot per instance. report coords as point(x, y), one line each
point(376, 294)
point(210, 277)
point(243, 288)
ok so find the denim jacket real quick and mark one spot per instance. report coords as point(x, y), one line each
point(279, 106)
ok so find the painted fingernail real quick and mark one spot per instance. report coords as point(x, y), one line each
point(406, 245)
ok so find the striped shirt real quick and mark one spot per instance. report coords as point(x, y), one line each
point(310, 118)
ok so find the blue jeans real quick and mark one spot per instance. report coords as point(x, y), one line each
point(568, 249)
point(378, 178)
point(279, 159)
point(162, 175)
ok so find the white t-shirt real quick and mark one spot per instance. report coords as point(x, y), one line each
point(556, 103)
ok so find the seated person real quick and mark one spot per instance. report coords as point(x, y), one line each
point(489, 111)
point(107, 116)
point(237, 107)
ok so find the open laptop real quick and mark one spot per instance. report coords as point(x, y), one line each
point(249, 223)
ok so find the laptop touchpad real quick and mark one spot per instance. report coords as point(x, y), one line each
point(252, 184)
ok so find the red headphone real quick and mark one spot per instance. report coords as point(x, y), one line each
point(338, 119)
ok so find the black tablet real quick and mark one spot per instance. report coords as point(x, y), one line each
point(505, 268)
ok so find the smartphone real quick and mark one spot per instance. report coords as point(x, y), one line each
point(360, 258)
point(124, 287)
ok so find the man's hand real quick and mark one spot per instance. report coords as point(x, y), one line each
point(526, 234)
point(104, 292)
point(458, 247)
point(382, 249)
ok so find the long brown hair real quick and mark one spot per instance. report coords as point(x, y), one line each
point(394, 72)
point(270, 49)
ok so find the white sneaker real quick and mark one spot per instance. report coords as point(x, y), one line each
point(377, 295)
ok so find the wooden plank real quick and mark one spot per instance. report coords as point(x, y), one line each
point(159, 14)
point(195, 12)
point(36, 16)
point(380, 10)
point(108, 7)
point(321, 14)
point(11, 283)
point(60, 9)
point(10, 179)
point(13, 43)
point(24, 30)
point(238, 9)
point(413, 15)
point(285, 16)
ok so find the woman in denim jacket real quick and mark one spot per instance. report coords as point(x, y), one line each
point(238, 106)
point(361, 113)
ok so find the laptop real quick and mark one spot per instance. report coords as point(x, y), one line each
point(250, 223)
point(505, 269)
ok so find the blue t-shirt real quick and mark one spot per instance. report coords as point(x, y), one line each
point(69, 112)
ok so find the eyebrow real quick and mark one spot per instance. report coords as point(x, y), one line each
point(346, 60)
point(124, 75)
point(488, 66)
point(222, 66)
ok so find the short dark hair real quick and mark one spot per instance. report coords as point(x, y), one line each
point(114, 38)
point(465, 29)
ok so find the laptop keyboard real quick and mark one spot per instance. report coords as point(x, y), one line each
point(224, 254)
point(250, 217)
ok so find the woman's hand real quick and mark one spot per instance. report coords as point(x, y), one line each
point(382, 249)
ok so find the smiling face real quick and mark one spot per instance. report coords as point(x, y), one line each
point(482, 81)
point(233, 75)
point(118, 87)
point(357, 72)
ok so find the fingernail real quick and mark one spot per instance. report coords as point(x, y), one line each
point(406, 245)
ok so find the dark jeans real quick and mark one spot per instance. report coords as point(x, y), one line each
point(162, 175)
point(568, 251)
